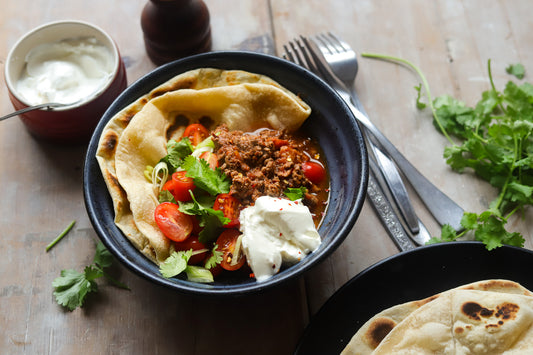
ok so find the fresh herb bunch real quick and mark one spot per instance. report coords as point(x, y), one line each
point(495, 140)
point(72, 287)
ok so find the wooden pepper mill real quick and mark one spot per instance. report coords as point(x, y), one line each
point(175, 29)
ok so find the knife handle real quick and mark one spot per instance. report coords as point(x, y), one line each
point(385, 212)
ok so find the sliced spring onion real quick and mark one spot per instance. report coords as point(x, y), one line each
point(159, 176)
point(148, 172)
point(207, 145)
point(237, 251)
point(60, 236)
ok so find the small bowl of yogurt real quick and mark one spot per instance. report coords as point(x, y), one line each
point(68, 62)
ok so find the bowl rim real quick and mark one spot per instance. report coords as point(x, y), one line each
point(10, 82)
point(161, 75)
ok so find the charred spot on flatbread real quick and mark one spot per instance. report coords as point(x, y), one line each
point(115, 185)
point(176, 129)
point(185, 83)
point(125, 119)
point(108, 144)
point(378, 330)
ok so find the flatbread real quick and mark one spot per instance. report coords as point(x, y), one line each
point(376, 329)
point(137, 135)
point(464, 322)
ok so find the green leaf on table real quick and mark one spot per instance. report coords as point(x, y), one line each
point(72, 287)
point(517, 70)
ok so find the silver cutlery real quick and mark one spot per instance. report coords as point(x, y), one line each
point(385, 211)
point(380, 202)
point(444, 209)
point(343, 63)
point(48, 106)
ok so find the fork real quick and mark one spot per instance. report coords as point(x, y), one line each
point(376, 194)
point(444, 209)
point(343, 63)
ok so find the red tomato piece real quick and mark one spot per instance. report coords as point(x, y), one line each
point(173, 223)
point(179, 186)
point(226, 243)
point(193, 243)
point(169, 186)
point(230, 206)
point(211, 159)
point(196, 133)
point(314, 171)
point(278, 143)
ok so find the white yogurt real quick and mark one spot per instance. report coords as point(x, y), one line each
point(65, 71)
point(276, 231)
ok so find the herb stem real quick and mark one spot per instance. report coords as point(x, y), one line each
point(60, 236)
point(424, 82)
point(493, 86)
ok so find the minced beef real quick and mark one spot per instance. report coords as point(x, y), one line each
point(265, 162)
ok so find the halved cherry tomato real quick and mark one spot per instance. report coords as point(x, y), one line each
point(314, 171)
point(226, 243)
point(193, 243)
point(230, 206)
point(196, 133)
point(179, 186)
point(211, 159)
point(173, 223)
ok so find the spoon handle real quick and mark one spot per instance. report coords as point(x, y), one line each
point(47, 106)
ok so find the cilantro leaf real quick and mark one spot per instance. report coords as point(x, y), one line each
point(72, 287)
point(516, 70)
point(175, 264)
point(215, 258)
point(102, 256)
point(176, 152)
point(295, 193)
point(212, 181)
point(212, 220)
point(166, 196)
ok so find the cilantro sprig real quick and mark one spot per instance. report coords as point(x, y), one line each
point(72, 287)
point(210, 219)
point(213, 181)
point(177, 263)
point(494, 139)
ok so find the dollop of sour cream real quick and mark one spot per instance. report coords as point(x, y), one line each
point(276, 231)
point(66, 71)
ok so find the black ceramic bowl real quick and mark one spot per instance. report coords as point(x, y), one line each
point(331, 122)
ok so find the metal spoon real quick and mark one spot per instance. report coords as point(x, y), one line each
point(48, 106)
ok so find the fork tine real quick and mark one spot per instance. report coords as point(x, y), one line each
point(338, 43)
point(324, 44)
point(288, 54)
point(304, 48)
point(296, 51)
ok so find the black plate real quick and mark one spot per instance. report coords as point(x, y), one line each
point(331, 122)
point(405, 277)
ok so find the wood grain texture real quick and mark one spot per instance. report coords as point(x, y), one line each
point(41, 184)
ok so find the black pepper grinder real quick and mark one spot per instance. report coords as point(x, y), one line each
point(175, 29)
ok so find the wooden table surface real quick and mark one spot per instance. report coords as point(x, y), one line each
point(41, 184)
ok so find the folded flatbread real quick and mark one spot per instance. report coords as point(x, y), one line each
point(485, 317)
point(137, 136)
